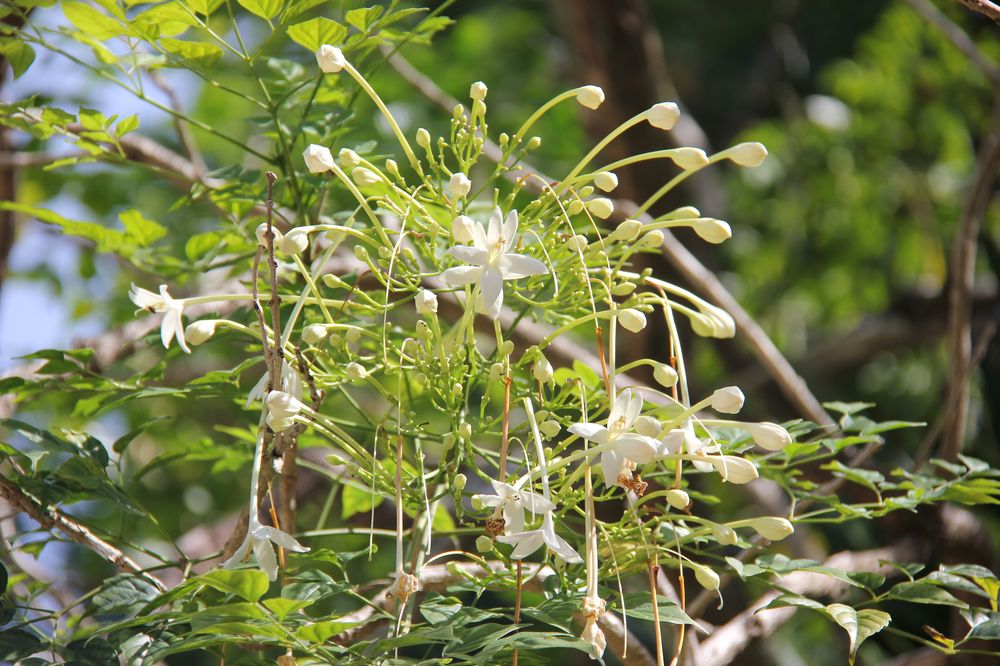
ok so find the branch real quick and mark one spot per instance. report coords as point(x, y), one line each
point(963, 272)
point(790, 383)
point(984, 7)
point(51, 518)
point(958, 37)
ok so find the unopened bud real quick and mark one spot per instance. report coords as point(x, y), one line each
point(664, 375)
point(478, 90)
point(550, 428)
point(772, 528)
point(678, 499)
point(748, 154)
point(606, 181)
point(663, 115)
point(348, 158)
point(728, 400)
point(199, 331)
point(356, 371)
point(601, 207)
point(543, 371)
point(365, 177)
point(632, 319)
point(712, 230)
point(330, 59)
point(460, 481)
point(423, 138)
point(314, 333)
point(484, 544)
point(590, 96)
point(459, 185)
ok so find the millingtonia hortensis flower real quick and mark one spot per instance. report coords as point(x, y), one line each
point(172, 309)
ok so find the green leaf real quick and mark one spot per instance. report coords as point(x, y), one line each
point(987, 630)
point(124, 594)
point(127, 124)
point(19, 54)
point(317, 31)
point(363, 17)
point(107, 240)
point(249, 584)
point(199, 53)
point(284, 607)
point(639, 605)
point(924, 593)
point(320, 632)
point(859, 625)
point(199, 245)
point(92, 22)
point(140, 229)
point(262, 8)
point(205, 7)
point(784, 600)
point(354, 500)
point(18, 643)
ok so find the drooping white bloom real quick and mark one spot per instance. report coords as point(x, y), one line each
point(772, 528)
point(525, 543)
point(426, 302)
point(318, 158)
point(282, 408)
point(590, 96)
point(712, 230)
point(632, 319)
point(459, 185)
point(491, 262)
point(478, 90)
point(748, 154)
point(330, 59)
point(199, 331)
point(259, 538)
point(728, 400)
point(626, 448)
point(172, 309)
point(510, 502)
point(663, 115)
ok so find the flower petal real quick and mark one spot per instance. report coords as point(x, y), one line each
point(513, 515)
point(535, 503)
point(179, 331)
point(479, 237)
point(469, 254)
point(495, 228)
point(590, 431)
point(266, 559)
point(502, 489)
point(633, 407)
point(620, 406)
point(283, 539)
point(639, 448)
point(527, 543)
point(509, 230)
point(517, 266)
point(461, 275)
point(491, 501)
point(490, 293)
point(557, 544)
point(611, 466)
point(239, 555)
point(168, 328)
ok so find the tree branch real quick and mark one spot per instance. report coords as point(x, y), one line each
point(984, 7)
point(958, 37)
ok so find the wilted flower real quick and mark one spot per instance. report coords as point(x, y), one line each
point(459, 185)
point(590, 96)
point(330, 59)
point(318, 158)
point(728, 400)
point(491, 261)
point(426, 302)
point(172, 309)
point(282, 408)
point(663, 115)
point(593, 609)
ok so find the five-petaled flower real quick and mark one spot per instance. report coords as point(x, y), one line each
point(172, 326)
point(491, 262)
point(259, 538)
point(525, 543)
point(510, 503)
point(625, 448)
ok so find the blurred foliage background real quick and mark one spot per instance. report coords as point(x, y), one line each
point(841, 240)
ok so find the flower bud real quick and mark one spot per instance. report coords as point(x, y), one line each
point(496, 372)
point(199, 331)
point(663, 115)
point(477, 91)
point(628, 230)
point(460, 481)
point(423, 138)
point(330, 59)
point(733, 468)
point(392, 167)
point(575, 207)
point(484, 544)
point(648, 426)
point(356, 371)
point(348, 158)
point(772, 528)
point(361, 253)
point(459, 185)
point(314, 333)
point(543, 371)
point(770, 436)
point(712, 230)
point(678, 499)
point(282, 408)
point(578, 243)
point(295, 241)
point(447, 440)
point(507, 348)
point(461, 229)
point(606, 181)
point(689, 158)
point(318, 158)
point(534, 142)
point(623, 288)
point(426, 302)
point(724, 535)
point(590, 96)
point(748, 154)
point(632, 319)
point(365, 177)
point(707, 578)
point(503, 139)
point(664, 375)
point(550, 428)
point(465, 431)
point(601, 207)
point(728, 400)
point(262, 234)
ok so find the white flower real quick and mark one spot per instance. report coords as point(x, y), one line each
point(733, 468)
point(632, 320)
point(625, 447)
point(348, 158)
point(318, 158)
point(663, 115)
point(172, 309)
point(200, 331)
point(426, 302)
point(291, 384)
point(590, 96)
point(295, 241)
point(689, 158)
point(356, 371)
point(770, 436)
point(330, 59)
point(314, 333)
point(365, 177)
point(543, 371)
point(678, 498)
point(772, 527)
point(463, 229)
point(648, 426)
point(712, 230)
point(510, 503)
point(478, 90)
point(728, 400)
point(491, 262)
point(665, 375)
point(748, 154)
point(601, 207)
point(459, 185)
point(606, 181)
point(259, 538)
point(525, 543)
point(282, 408)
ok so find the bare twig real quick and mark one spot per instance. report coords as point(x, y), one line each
point(984, 7)
point(51, 518)
point(792, 385)
point(963, 265)
point(183, 130)
point(958, 37)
